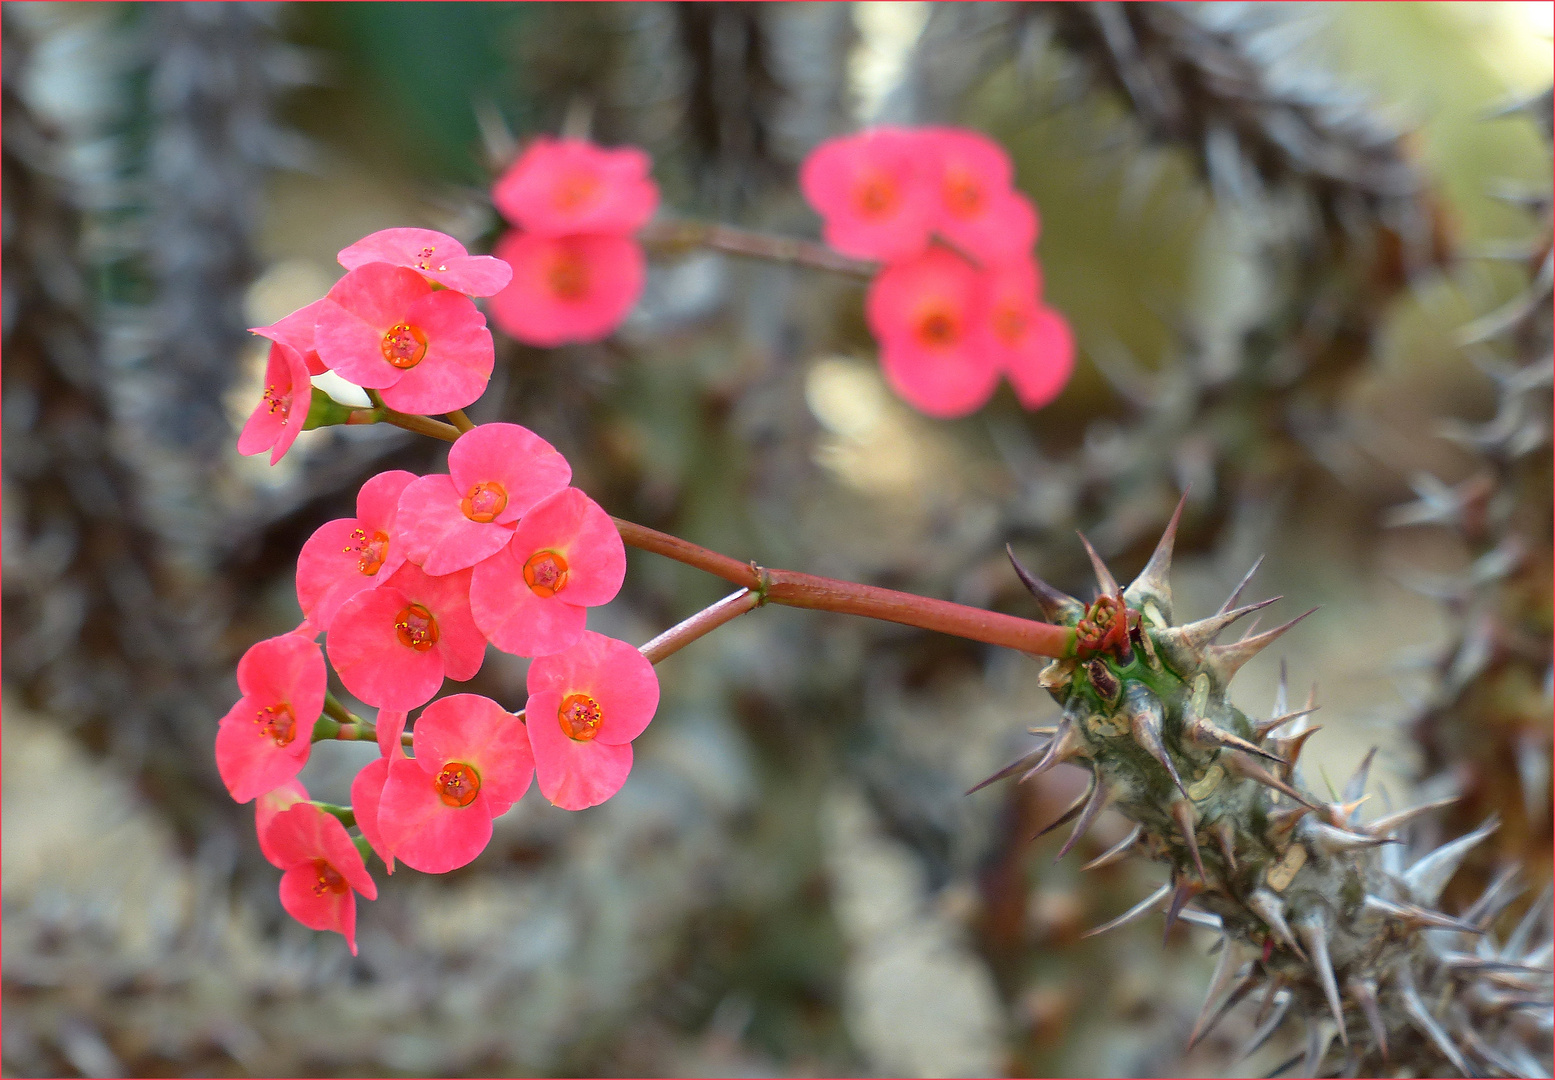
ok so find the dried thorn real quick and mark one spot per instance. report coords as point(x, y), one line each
point(1340, 841)
point(1414, 917)
point(1104, 579)
point(1364, 991)
point(1117, 851)
point(1069, 814)
point(1251, 770)
point(1099, 795)
point(1154, 581)
point(1495, 899)
point(1066, 745)
point(1425, 1022)
point(1237, 592)
point(1230, 962)
point(1012, 768)
point(1268, 907)
point(1145, 718)
point(1196, 636)
point(1355, 787)
point(1394, 820)
point(1224, 661)
point(1261, 728)
point(1057, 607)
point(1203, 733)
point(1182, 813)
point(1290, 749)
point(1225, 837)
point(1132, 913)
point(1268, 1027)
point(1313, 929)
point(1426, 879)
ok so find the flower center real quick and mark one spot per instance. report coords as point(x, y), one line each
point(328, 880)
point(1009, 323)
point(416, 628)
point(580, 717)
point(876, 196)
point(574, 191)
point(277, 723)
point(424, 258)
point(279, 403)
point(938, 327)
point(546, 573)
point(485, 501)
point(568, 276)
point(963, 194)
point(458, 784)
point(370, 550)
point(404, 345)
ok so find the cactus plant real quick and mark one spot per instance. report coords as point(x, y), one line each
point(1321, 913)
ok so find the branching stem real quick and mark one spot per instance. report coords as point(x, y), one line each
point(680, 235)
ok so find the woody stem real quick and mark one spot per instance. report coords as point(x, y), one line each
point(678, 235)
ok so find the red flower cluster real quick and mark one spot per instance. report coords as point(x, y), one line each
point(577, 271)
point(959, 301)
point(401, 322)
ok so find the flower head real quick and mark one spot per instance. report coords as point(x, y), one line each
point(279, 416)
point(347, 555)
point(1030, 341)
point(367, 787)
point(567, 288)
point(975, 208)
point(267, 806)
point(585, 707)
point(531, 598)
point(434, 255)
point(872, 193)
point(296, 330)
point(496, 472)
point(324, 871)
point(264, 739)
point(392, 646)
point(425, 350)
point(559, 187)
point(472, 764)
point(927, 313)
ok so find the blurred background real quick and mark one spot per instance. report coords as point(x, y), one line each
point(1306, 252)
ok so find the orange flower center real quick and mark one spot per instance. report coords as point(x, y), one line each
point(963, 194)
point(370, 550)
point(580, 717)
point(485, 501)
point(404, 345)
point(416, 628)
point(876, 195)
point(276, 722)
point(546, 573)
point(458, 784)
point(328, 880)
point(568, 276)
point(574, 190)
point(938, 327)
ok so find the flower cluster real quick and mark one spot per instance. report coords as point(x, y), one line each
point(959, 300)
point(577, 270)
point(499, 550)
point(400, 322)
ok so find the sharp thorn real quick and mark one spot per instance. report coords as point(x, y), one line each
point(1261, 728)
point(1184, 892)
point(1198, 635)
point(1425, 1022)
point(1226, 966)
point(1389, 822)
point(1355, 787)
point(1145, 719)
point(1069, 814)
point(1204, 734)
point(1182, 813)
point(1290, 749)
point(1268, 907)
point(1225, 837)
point(1117, 851)
point(1341, 841)
point(1495, 899)
point(1236, 593)
point(1132, 913)
point(1267, 1027)
point(1364, 991)
point(1522, 935)
point(1271, 996)
point(1012, 768)
point(1251, 770)
point(1283, 822)
point(1314, 934)
point(1104, 579)
point(1057, 607)
point(1238, 994)
point(1414, 916)
point(1224, 661)
point(1097, 799)
point(1154, 581)
point(1427, 877)
point(1282, 692)
point(1065, 746)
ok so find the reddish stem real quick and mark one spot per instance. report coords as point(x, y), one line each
point(708, 619)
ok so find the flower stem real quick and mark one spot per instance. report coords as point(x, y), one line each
point(344, 814)
point(334, 708)
point(680, 235)
point(460, 421)
point(708, 619)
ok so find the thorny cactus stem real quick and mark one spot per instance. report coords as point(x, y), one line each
point(1320, 914)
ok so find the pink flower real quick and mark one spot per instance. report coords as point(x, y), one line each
point(495, 473)
point(871, 192)
point(264, 739)
point(531, 598)
point(367, 788)
point(1029, 340)
point(975, 207)
point(472, 764)
point(280, 414)
point(434, 255)
point(567, 288)
point(927, 314)
point(425, 350)
point(296, 330)
point(392, 646)
point(324, 871)
point(564, 186)
point(347, 555)
point(267, 806)
point(585, 707)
